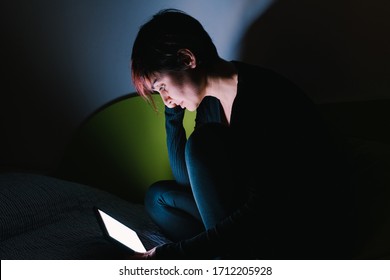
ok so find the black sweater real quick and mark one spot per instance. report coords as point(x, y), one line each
point(286, 164)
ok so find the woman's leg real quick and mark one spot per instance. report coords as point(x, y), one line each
point(173, 209)
point(210, 168)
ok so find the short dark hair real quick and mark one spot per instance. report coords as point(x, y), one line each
point(157, 44)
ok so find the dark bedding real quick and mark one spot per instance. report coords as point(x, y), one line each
point(42, 217)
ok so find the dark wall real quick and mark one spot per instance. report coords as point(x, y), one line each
point(61, 60)
point(335, 49)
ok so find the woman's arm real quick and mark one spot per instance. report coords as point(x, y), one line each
point(208, 111)
point(176, 140)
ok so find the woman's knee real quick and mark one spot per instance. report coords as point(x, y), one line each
point(156, 192)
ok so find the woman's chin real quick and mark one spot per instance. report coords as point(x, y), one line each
point(189, 109)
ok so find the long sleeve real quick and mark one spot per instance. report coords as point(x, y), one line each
point(176, 140)
point(208, 111)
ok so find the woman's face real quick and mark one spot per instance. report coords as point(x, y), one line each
point(179, 89)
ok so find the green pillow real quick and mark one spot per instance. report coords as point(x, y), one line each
point(122, 148)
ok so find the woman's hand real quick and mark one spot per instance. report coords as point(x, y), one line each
point(149, 255)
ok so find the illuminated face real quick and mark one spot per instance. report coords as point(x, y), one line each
point(178, 89)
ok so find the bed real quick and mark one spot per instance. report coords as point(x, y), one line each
point(43, 217)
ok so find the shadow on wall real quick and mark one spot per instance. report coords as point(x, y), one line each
point(336, 50)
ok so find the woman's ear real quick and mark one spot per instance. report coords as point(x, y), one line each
point(187, 58)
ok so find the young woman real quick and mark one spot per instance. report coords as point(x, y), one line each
point(259, 177)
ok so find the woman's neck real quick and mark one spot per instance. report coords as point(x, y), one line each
point(222, 84)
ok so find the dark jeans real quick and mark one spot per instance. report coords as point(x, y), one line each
point(184, 211)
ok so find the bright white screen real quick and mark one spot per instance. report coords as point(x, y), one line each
point(122, 233)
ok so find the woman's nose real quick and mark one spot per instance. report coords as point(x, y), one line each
point(166, 99)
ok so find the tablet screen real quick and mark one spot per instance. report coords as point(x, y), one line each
point(121, 233)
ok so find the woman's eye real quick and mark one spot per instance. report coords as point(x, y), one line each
point(162, 88)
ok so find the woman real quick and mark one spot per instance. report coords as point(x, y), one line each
point(258, 178)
